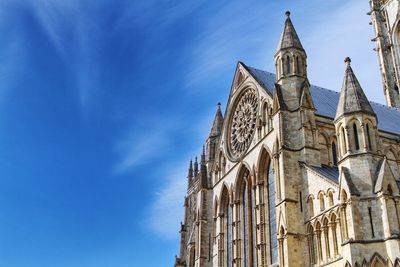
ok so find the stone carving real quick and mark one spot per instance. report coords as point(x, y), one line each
point(243, 123)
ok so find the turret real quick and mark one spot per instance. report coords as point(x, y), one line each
point(355, 120)
point(290, 56)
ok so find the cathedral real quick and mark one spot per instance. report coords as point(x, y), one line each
point(297, 175)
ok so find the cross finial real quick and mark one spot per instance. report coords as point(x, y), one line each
point(287, 13)
point(347, 60)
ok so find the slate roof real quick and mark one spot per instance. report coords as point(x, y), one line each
point(327, 171)
point(326, 102)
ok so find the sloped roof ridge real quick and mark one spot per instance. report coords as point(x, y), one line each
point(326, 104)
point(324, 88)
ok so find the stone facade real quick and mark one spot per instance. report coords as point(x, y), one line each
point(297, 175)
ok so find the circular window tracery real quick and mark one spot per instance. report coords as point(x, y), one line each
point(243, 123)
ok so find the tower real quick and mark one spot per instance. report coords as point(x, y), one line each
point(384, 16)
point(294, 120)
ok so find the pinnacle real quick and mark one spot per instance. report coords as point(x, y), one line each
point(289, 37)
point(352, 97)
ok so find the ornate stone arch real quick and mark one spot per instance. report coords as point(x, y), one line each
point(264, 157)
point(321, 200)
point(242, 176)
point(310, 205)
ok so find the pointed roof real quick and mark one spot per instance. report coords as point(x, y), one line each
point(289, 37)
point(352, 98)
point(217, 124)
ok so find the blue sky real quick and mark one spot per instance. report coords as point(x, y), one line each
point(102, 104)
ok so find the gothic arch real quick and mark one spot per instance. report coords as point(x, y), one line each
point(264, 157)
point(356, 137)
point(321, 200)
point(224, 197)
point(243, 176)
point(268, 188)
point(378, 261)
point(390, 152)
point(330, 196)
point(310, 205)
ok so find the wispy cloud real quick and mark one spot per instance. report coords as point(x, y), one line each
point(138, 149)
point(166, 211)
point(143, 142)
point(76, 35)
point(224, 40)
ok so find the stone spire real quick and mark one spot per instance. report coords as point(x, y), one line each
point(352, 98)
point(203, 156)
point(289, 37)
point(217, 124)
point(203, 170)
point(196, 167)
point(190, 170)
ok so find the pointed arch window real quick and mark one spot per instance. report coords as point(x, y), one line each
point(311, 244)
point(298, 65)
point(330, 197)
point(321, 202)
point(249, 225)
point(343, 146)
point(273, 241)
point(355, 133)
point(310, 205)
point(334, 153)
point(288, 69)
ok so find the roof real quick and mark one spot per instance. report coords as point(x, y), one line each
point(327, 171)
point(289, 37)
point(326, 101)
point(352, 98)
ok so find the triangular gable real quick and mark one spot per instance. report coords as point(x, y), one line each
point(384, 177)
point(306, 99)
point(278, 103)
point(346, 183)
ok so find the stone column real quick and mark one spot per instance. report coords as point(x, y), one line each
point(325, 229)
point(319, 246)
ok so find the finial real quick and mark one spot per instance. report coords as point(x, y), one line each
point(347, 60)
point(287, 13)
point(219, 104)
